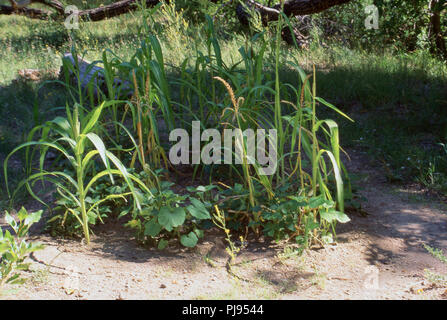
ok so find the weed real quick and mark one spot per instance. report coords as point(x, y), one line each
point(14, 249)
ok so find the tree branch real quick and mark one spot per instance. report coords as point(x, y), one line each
point(54, 4)
point(291, 8)
point(95, 14)
point(305, 7)
point(28, 12)
point(114, 9)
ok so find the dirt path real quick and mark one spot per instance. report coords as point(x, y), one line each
point(380, 256)
point(388, 243)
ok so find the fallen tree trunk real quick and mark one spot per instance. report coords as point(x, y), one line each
point(113, 10)
point(291, 8)
point(95, 14)
point(28, 12)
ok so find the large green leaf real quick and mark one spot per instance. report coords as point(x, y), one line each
point(170, 218)
point(33, 217)
point(10, 220)
point(316, 202)
point(197, 209)
point(4, 246)
point(333, 215)
point(152, 228)
point(189, 240)
point(94, 117)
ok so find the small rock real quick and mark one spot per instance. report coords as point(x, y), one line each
point(30, 74)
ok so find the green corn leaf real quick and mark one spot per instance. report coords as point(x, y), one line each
point(333, 107)
point(93, 119)
point(99, 145)
point(33, 217)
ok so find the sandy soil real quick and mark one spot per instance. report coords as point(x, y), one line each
point(378, 256)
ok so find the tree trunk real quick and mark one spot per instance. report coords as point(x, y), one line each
point(114, 9)
point(436, 36)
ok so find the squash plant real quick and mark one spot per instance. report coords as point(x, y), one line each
point(170, 215)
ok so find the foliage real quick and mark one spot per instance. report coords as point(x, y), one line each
point(64, 223)
point(169, 215)
point(74, 138)
point(288, 215)
point(403, 26)
point(14, 249)
point(230, 82)
point(302, 200)
point(195, 10)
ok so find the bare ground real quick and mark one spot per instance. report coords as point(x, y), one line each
point(378, 256)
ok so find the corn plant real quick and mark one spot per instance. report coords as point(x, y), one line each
point(302, 138)
point(74, 138)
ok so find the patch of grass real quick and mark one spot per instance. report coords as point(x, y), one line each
point(259, 290)
point(290, 252)
point(399, 107)
point(40, 276)
point(318, 279)
point(275, 287)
